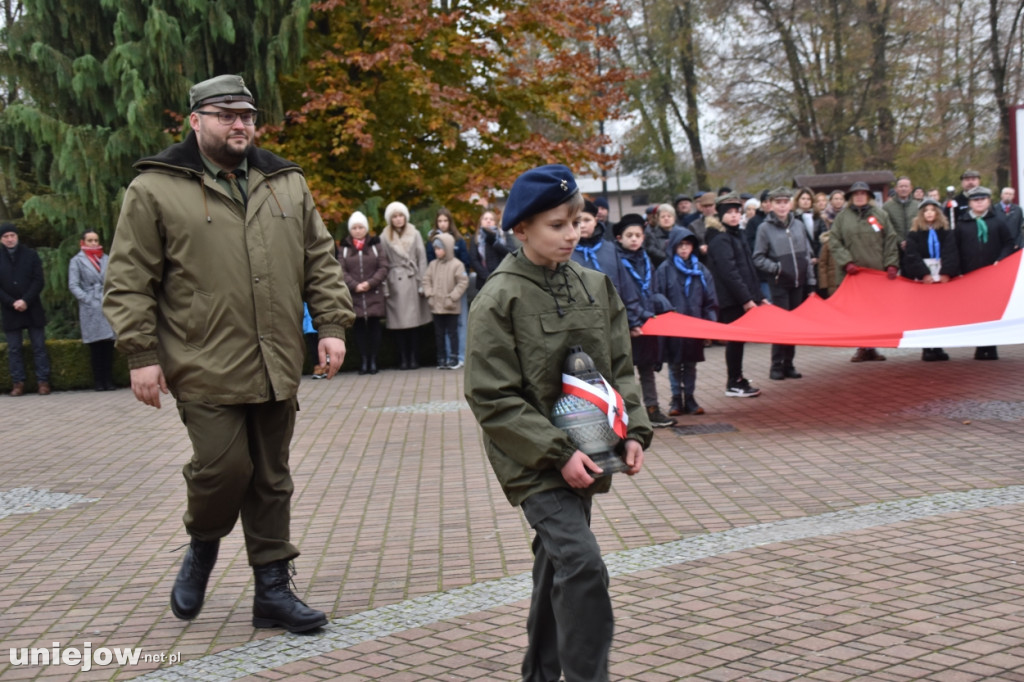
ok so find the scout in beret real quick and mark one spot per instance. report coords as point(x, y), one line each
point(535, 306)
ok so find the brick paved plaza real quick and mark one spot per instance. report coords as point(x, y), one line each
point(862, 523)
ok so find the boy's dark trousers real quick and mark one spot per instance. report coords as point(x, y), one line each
point(446, 326)
point(787, 299)
point(570, 625)
point(733, 349)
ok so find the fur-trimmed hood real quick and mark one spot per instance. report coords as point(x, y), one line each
point(185, 156)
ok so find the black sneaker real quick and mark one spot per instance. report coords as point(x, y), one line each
point(742, 389)
point(659, 420)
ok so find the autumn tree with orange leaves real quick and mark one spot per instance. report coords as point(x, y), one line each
point(439, 102)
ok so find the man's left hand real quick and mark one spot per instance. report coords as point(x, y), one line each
point(20, 305)
point(333, 348)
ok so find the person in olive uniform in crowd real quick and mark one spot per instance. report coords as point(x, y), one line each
point(217, 246)
point(862, 236)
point(537, 305)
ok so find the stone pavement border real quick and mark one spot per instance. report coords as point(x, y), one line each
point(372, 625)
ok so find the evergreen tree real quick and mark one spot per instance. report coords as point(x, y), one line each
point(101, 84)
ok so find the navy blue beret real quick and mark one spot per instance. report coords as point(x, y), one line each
point(537, 190)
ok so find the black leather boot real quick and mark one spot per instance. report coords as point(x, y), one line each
point(276, 606)
point(373, 364)
point(190, 586)
point(365, 367)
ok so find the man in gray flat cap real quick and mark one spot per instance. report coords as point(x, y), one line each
point(982, 238)
point(969, 179)
point(217, 246)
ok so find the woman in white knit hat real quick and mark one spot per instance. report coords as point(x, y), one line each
point(364, 262)
point(407, 309)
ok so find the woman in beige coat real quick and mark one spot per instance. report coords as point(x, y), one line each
point(407, 308)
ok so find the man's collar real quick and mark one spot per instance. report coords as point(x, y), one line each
point(213, 169)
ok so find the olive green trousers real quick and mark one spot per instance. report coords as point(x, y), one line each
point(239, 467)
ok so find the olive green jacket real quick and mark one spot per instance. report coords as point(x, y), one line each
point(213, 292)
point(521, 327)
point(901, 215)
point(854, 240)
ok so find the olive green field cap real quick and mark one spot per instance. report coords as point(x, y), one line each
point(225, 91)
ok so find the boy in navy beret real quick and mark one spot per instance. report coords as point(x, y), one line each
point(535, 306)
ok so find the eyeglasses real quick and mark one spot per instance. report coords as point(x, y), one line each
point(226, 118)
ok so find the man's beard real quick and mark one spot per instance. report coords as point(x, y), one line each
point(224, 154)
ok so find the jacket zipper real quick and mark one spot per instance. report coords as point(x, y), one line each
point(792, 252)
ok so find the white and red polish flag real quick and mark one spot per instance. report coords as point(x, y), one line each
point(983, 308)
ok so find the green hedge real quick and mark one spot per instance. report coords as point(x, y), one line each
point(70, 369)
point(69, 366)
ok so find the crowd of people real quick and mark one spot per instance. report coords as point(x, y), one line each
point(714, 256)
point(732, 252)
point(795, 242)
point(779, 247)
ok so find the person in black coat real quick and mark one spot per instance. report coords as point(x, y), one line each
point(1012, 215)
point(488, 248)
point(930, 238)
point(982, 238)
point(736, 283)
point(21, 283)
point(629, 235)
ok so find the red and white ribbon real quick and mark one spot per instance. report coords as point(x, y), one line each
point(873, 221)
point(604, 398)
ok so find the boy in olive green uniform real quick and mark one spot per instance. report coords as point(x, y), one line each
point(535, 306)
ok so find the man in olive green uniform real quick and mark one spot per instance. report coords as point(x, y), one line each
point(217, 246)
point(862, 236)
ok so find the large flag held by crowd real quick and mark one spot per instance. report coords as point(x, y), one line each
point(983, 308)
